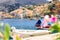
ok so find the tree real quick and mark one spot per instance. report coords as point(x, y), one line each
point(47, 12)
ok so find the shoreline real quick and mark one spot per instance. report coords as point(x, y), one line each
point(32, 33)
point(20, 18)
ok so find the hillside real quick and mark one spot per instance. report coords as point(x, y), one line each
point(6, 5)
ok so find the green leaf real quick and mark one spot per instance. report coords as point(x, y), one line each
point(7, 29)
point(5, 36)
point(55, 28)
point(17, 37)
point(7, 32)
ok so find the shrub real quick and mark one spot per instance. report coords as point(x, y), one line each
point(55, 28)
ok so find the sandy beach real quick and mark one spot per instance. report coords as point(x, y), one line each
point(32, 33)
point(44, 37)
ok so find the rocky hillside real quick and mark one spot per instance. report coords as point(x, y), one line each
point(8, 5)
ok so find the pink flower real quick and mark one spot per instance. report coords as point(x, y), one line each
point(53, 19)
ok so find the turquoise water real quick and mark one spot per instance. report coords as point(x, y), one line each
point(21, 23)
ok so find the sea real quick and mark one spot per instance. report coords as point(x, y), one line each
point(25, 24)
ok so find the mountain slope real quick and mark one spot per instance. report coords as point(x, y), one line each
point(8, 5)
point(24, 2)
point(31, 1)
